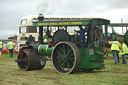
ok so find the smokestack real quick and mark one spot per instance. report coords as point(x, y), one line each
point(40, 17)
point(40, 39)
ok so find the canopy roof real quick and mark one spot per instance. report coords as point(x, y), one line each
point(93, 21)
point(119, 25)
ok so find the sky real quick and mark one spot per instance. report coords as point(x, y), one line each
point(11, 11)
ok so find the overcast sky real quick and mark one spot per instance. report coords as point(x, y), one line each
point(11, 11)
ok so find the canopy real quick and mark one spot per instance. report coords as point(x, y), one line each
point(98, 21)
point(119, 25)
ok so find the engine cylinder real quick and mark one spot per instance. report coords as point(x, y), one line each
point(45, 50)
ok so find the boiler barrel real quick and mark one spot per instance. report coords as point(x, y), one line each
point(45, 50)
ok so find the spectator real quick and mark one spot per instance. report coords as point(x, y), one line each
point(125, 51)
point(10, 45)
point(115, 46)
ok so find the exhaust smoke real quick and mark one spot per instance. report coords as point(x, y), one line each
point(47, 7)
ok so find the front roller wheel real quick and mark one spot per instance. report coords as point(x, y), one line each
point(30, 60)
point(66, 57)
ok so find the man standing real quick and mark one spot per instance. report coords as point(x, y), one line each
point(125, 51)
point(115, 47)
point(10, 45)
point(82, 36)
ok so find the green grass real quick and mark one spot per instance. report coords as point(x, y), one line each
point(10, 74)
point(7, 55)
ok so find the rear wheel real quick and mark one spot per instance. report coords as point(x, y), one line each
point(66, 57)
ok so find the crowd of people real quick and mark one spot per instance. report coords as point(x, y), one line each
point(119, 48)
point(8, 47)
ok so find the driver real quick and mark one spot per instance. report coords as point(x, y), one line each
point(82, 36)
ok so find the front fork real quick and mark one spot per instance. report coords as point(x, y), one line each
point(22, 49)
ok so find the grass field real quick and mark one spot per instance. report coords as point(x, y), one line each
point(113, 74)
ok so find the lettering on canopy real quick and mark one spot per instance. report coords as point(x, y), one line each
point(60, 23)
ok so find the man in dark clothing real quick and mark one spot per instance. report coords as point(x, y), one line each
point(82, 36)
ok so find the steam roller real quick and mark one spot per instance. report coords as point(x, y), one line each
point(66, 51)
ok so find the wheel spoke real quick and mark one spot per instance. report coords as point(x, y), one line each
point(59, 61)
point(70, 58)
point(61, 65)
point(71, 54)
point(59, 53)
point(58, 57)
point(68, 51)
point(68, 48)
point(68, 66)
point(72, 61)
point(64, 49)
